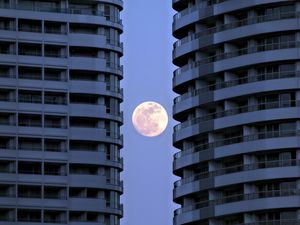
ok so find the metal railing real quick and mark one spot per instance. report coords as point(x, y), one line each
point(238, 139)
point(31, 76)
point(236, 53)
point(114, 66)
point(30, 52)
point(7, 170)
point(32, 171)
point(236, 82)
point(90, 12)
point(29, 148)
point(30, 123)
point(36, 29)
point(7, 75)
point(238, 110)
point(238, 23)
point(7, 147)
point(238, 168)
point(29, 195)
point(188, 10)
point(30, 98)
point(275, 222)
point(241, 197)
point(55, 100)
point(114, 42)
point(114, 88)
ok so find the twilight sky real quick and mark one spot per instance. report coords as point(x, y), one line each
point(147, 175)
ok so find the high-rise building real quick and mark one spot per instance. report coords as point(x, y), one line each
point(60, 113)
point(238, 106)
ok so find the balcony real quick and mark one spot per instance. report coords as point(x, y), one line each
point(238, 23)
point(55, 99)
point(236, 198)
point(236, 111)
point(238, 139)
point(275, 222)
point(237, 169)
point(235, 82)
point(237, 53)
point(88, 12)
point(205, 3)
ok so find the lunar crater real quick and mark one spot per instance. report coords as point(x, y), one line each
point(150, 119)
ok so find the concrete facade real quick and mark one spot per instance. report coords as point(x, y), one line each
point(60, 112)
point(238, 81)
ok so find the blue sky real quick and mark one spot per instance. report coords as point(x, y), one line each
point(148, 71)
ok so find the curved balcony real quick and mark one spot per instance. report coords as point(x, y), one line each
point(236, 140)
point(268, 170)
point(218, 153)
point(190, 74)
point(95, 181)
point(236, 82)
point(237, 53)
point(238, 198)
point(95, 110)
point(89, 12)
point(275, 222)
point(95, 134)
point(205, 3)
point(233, 112)
point(237, 169)
point(96, 158)
point(238, 23)
point(211, 6)
point(114, 68)
point(95, 87)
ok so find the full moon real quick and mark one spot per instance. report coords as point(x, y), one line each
point(150, 119)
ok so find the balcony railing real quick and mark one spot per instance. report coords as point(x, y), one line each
point(114, 42)
point(239, 81)
point(7, 75)
point(30, 76)
point(29, 195)
point(275, 222)
point(30, 52)
point(30, 148)
point(55, 196)
point(238, 139)
point(7, 99)
point(90, 12)
point(7, 147)
point(30, 99)
point(238, 168)
point(8, 27)
point(241, 197)
point(29, 220)
point(55, 173)
point(236, 111)
point(238, 23)
point(37, 29)
point(115, 89)
point(239, 52)
point(30, 171)
point(55, 221)
point(196, 7)
point(114, 66)
point(115, 182)
point(7, 170)
point(7, 218)
point(52, 149)
point(29, 123)
point(53, 100)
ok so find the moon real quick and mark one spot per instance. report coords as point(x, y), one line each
point(150, 119)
